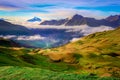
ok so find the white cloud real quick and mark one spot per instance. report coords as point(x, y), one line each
point(23, 37)
point(8, 36)
point(90, 30)
point(86, 30)
point(33, 37)
point(74, 39)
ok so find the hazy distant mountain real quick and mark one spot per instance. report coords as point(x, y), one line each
point(76, 20)
point(52, 36)
point(35, 19)
point(2, 19)
point(54, 22)
point(9, 28)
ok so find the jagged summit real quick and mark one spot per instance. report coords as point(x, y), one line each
point(77, 20)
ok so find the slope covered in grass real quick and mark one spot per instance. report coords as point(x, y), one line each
point(21, 63)
point(27, 73)
point(93, 57)
point(98, 53)
point(24, 58)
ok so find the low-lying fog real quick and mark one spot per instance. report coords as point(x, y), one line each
point(47, 36)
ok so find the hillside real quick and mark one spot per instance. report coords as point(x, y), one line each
point(28, 65)
point(8, 43)
point(94, 57)
point(97, 53)
point(18, 64)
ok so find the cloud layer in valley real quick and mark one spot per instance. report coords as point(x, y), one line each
point(53, 38)
point(23, 37)
point(83, 29)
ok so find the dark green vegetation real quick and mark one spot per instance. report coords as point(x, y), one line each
point(25, 58)
point(94, 57)
point(8, 43)
point(20, 63)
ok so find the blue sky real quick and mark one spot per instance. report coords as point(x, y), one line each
point(47, 9)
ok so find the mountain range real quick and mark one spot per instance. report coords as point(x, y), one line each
point(53, 37)
point(77, 20)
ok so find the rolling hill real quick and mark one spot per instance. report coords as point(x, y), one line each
point(98, 53)
point(94, 57)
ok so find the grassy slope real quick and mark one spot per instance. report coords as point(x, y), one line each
point(19, 64)
point(97, 53)
point(27, 73)
point(23, 62)
point(22, 57)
